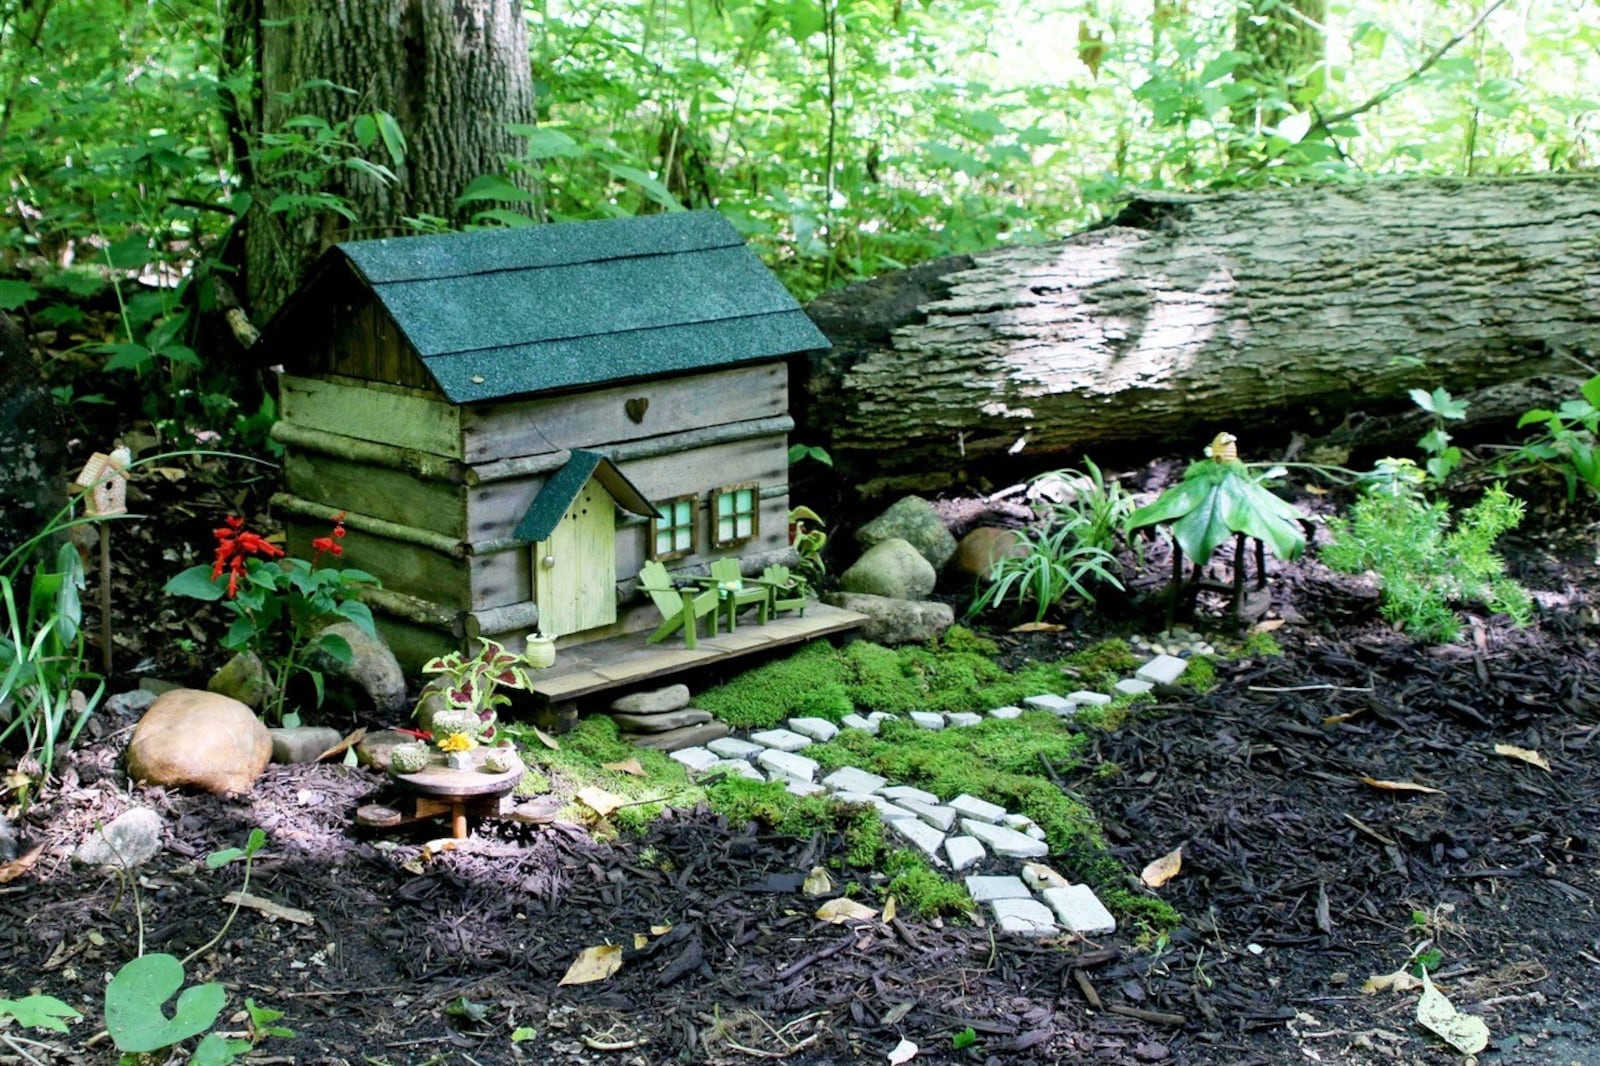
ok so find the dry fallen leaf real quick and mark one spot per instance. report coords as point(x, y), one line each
point(599, 800)
point(841, 910)
point(17, 867)
point(1035, 627)
point(1038, 875)
point(1163, 869)
point(344, 745)
point(546, 739)
point(903, 1052)
point(1401, 786)
point(434, 847)
point(888, 910)
point(1399, 981)
point(1335, 719)
point(594, 964)
point(626, 766)
point(1267, 626)
point(1467, 1033)
point(660, 930)
point(817, 883)
point(640, 942)
point(1532, 758)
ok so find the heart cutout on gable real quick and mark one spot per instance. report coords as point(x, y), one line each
point(636, 408)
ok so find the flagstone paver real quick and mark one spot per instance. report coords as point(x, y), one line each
point(1086, 698)
point(787, 764)
point(963, 851)
point(738, 767)
point(850, 779)
point(855, 721)
point(973, 807)
point(781, 739)
point(1006, 842)
point(928, 719)
point(983, 888)
point(924, 837)
point(1007, 712)
point(1134, 686)
point(906, 792)
point(1162, 670)
point(695, 759)
point(734, 748)
point(1052, 703)
point(815, 728)
point(962, 718)
point(1023, 917)
point(885, 809)
point(1080, 910)
point(937, 815)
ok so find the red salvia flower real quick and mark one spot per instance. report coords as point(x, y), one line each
point(329, 545)
point(234, 546)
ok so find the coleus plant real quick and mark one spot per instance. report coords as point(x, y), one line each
point(1218, 498)
point(472, 683)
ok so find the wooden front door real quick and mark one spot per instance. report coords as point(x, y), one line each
point(575, 570)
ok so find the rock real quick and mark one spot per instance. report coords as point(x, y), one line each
point(850, 779)
point(1162, 670)
point(913, 520)
point(922, 836)
point(855, 721)
point(373, 671)
point(128, 840)
point(660, 723)
point(696, 759)
point(897, 793)
point(984, 889)
point(1006, 842)
point(1134, 686)
point(937, 815)
point(963, 852)
point(1049, 701)
point(736, 767)
point(893, 622)
point(1023, 917)
point(673, 739)
point(244, 678)
point(1080, 910)
point(781, 739)
point(799, 788)
point(1085, 698)
point(374, 748)
point(892, 568)
point(973, 807)
point(819, 729)
point(962, 719)
point(656, 701)
point(927, 719)
point(188, 737)
point(129, 704)
point(734, 748)
point(301, 744)
point(1039, 876)
point(885, 809)
point(980, 549)
point(1006, 713)
point(8, 840)
point(787, 764)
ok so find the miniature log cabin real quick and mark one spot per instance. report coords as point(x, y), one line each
point(514, 421)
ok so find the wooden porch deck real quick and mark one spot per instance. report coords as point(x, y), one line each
point(627, 660)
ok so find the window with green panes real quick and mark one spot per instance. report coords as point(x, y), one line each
point(673, 528)
point(733, 513)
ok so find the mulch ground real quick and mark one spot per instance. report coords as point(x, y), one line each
point(1299, 882)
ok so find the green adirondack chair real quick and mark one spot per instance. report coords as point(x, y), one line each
point(786, 591)
point(735, 592)
point(681, 608)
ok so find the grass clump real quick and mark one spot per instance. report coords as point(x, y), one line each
point(917, 889)
point(1261, 646)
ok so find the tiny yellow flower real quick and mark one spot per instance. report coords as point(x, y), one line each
point(457, 742)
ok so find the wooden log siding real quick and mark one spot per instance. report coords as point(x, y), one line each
point(370, 411)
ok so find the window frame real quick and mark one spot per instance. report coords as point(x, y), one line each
point(693, 525)
point(714, 514)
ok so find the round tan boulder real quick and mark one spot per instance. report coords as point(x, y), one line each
point(983, 547)
point(203, 739)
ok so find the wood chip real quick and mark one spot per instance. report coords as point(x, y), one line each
point(269, 908)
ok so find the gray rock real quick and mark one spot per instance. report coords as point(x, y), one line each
point(695, 759)
point(373, 672)
point(984, 889)
point(781, 739)
point(302, 743)
point(660, 723)
point(130, 704)
point(1162, 670)
point(734, 748)
point(886, 810)
point(1023, 917)
point(937, 815)
point(927, 719)
point(1049, 701)
point(962, 719)
point(8, 840)
point(374, 748)
point(815, 728)
point(897, 793)
point(802, 788)
point(735, 767)
point(1005, 842)
point(913, 520)
point(892, 568)
point(850, 779)
point(1134, 686)
point(130, 839)
point(1080, 910)
point(893, 622)
point(689, 736)
point(920, 835)
point(656, 701)
point(1006, 713)
point(787, 764)
point(244, 678)
point(1085, 698)
point(855, 721)
point(973, 807)
point(963, 852)
point(1019, 822)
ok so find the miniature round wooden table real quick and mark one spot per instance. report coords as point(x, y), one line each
point(442, 789)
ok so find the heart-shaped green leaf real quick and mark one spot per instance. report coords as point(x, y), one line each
point(135, 996)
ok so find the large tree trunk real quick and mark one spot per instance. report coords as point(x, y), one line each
point(1190, 312)
point(453, 73)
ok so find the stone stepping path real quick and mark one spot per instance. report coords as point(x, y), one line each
point(954, 834)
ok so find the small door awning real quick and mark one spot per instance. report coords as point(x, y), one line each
point(565, 484)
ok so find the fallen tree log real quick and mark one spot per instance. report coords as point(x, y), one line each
point(1185, 314)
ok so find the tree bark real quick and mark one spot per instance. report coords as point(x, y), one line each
point(453, 73)
point(1191, 313)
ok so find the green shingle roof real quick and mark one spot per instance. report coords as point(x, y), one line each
point(565, 484)
point(504, 312)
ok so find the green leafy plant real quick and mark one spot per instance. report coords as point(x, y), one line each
point(964, 1039)
point(1051, 564)
point(38, 1012)
point(1423, 565)
point(473, 682)
point(1568, 439)
point(1097, 507)
point(1443, 457)
point(280, 605)
point(807, 536)
point(798, 452)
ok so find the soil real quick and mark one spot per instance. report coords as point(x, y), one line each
point(1300, 880)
